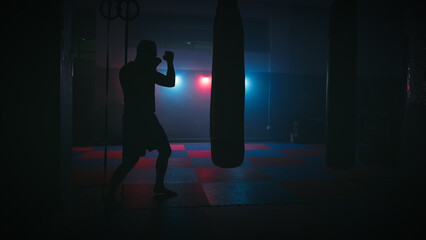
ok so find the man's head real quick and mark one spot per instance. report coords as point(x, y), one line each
point(147, 49)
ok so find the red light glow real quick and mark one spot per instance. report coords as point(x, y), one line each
point(205, 82)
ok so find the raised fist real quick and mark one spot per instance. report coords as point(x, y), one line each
point(168, 56)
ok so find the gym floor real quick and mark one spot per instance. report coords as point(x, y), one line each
point(282, 190)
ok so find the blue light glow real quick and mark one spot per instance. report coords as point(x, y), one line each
point(178, 81)
point(247, 83)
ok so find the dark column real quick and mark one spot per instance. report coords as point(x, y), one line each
point(227, 93)
point(341, 85)
point(31, 115)
point(412, 167)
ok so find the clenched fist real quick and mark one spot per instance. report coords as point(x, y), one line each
point(168, 56)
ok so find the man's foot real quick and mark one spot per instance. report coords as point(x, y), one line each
point(164, 190)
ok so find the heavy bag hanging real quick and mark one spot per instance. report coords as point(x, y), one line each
point(228, 88)
point(341, 85)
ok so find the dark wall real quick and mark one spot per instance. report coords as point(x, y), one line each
point(298, 108)
point(285, 65)
point(274, 100)
point(31, 115)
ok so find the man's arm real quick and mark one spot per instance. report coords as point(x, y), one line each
point(169, 79)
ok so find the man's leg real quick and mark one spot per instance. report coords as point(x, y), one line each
point(161, 143)
point(161, 165)
point(164, 153)
point(129, 161)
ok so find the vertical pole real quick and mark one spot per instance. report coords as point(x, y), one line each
point(268, 127)
point(126, 32)
point(106, 97)
point(66, 104)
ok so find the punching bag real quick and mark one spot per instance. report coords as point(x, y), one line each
point(228, 87)
point(341, 86)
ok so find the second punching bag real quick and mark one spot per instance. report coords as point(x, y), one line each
point(228, 87)
point(341, 85)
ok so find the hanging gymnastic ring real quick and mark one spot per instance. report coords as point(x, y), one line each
point(119, 8)
point(107, 16)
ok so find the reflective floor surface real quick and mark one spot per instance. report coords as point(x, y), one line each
point(282, 190)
